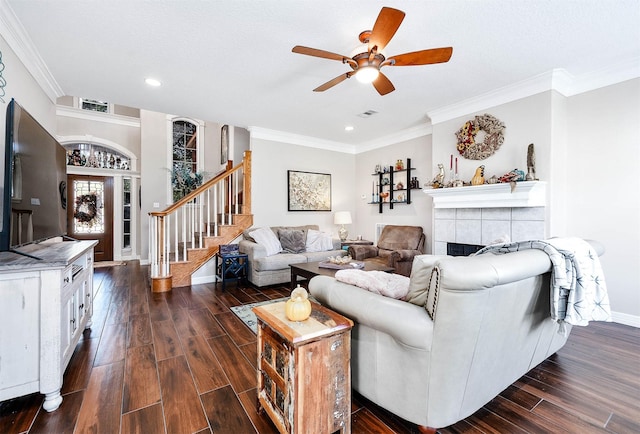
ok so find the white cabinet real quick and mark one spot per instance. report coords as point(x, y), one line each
point(45, 304)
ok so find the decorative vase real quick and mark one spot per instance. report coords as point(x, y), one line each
point(399, 165)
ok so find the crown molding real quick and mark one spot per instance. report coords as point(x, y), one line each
point(531, 86)
point(87, 115)
point(558, 79)
point(398, 137)
point(606, 76)
point(297, 139)
point(312, 142)
point(17, 38)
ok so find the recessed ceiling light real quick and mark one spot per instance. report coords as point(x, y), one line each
point(348, 128)
point(152, 82)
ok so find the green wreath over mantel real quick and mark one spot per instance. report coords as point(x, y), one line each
point(86, 208)
point(472, 150)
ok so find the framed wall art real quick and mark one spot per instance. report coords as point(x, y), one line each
point(308, 191)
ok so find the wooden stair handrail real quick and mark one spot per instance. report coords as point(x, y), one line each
point(204, 187)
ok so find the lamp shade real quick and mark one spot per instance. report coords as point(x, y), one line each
point(342, 218)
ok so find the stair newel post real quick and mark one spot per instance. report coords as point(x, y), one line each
point(246, 179)
point(160, 277)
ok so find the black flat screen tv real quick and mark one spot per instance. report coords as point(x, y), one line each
point(34, 189)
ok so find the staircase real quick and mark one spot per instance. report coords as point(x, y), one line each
point(187, 234)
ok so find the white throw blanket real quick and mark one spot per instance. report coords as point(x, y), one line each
point(387, 284)
point(579, 293)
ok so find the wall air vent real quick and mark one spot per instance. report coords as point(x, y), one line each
point(367, 114)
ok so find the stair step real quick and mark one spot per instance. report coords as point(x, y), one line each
point(196, 257)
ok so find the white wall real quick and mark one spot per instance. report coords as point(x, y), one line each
point(154, 172)
point(604, 186)
point(26, 91)
point(23, 88)
point(271, 160)
point(124, 135)
point(417, 213)
point(588, 150)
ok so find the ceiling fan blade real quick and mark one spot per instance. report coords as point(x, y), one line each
point(423, 57)
point(318, 53)
point(385, 27)
point(329, 84)
point(383, 85)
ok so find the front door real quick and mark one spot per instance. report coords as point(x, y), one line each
point(90, 212)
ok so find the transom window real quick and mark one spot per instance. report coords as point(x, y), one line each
point(90, 155)
point(94, 105)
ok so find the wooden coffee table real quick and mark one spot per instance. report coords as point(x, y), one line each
point(311, 269)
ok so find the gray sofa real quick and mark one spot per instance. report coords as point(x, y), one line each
point(270, 270)
point(473, 327)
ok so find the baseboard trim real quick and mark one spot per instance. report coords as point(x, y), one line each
point(626, 319)
point(203, 279)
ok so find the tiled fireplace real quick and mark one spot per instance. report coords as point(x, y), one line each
point(486, 213)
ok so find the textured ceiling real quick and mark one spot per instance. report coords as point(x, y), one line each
point(231, 61)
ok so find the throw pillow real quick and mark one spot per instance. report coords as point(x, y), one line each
point(292, 240)
point(318, 241)
point(378, 282)
point(265, 237)
point(420, 275)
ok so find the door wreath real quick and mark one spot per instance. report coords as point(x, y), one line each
point(86, 208)
point(472, 150)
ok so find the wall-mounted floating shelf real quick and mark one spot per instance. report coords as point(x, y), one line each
point(386, 192)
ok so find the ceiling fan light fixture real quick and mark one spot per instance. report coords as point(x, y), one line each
point(367, 74)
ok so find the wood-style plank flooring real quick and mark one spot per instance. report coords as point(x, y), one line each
point(181, 362)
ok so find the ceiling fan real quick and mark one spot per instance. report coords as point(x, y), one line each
point(366, 64)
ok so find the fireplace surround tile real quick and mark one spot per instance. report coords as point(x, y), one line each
point(496, 214)
point(495, 229)
point(468, 231)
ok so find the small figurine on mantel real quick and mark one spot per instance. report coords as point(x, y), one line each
point(531, 164)
point(438, 181)
point(478, 177)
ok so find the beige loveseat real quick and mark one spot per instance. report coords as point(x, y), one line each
point(473, 327)
point(265, 269)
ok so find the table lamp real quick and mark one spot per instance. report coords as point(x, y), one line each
point(342, 218)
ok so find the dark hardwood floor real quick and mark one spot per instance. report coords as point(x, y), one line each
point(181, 362)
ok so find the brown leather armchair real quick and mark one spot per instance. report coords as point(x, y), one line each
point(396, 248)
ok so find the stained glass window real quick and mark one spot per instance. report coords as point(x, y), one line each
point(184, 177)
point(88, 211)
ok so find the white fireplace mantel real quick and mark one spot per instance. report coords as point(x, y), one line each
point(524, 194)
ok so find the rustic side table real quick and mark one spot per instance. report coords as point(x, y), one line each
point(304, 375)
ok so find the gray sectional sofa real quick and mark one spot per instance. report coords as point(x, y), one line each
point(274, 269)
